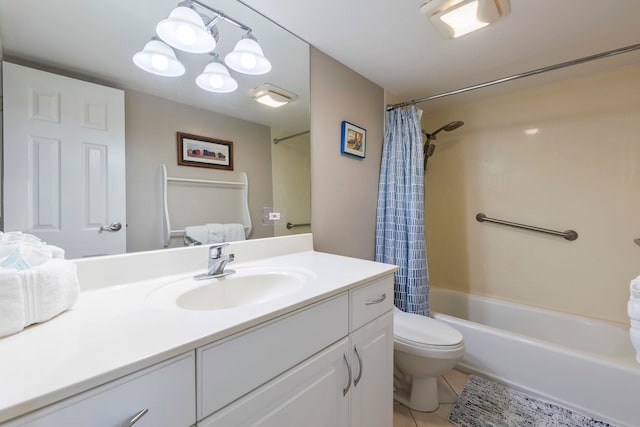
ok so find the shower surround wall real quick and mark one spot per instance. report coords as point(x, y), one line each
point(562, 156)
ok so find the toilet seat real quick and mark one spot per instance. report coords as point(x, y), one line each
point(425, 336)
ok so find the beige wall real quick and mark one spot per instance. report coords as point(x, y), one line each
point(580, 171)
point(292, 184)
point(343, 188)
point(151, 126)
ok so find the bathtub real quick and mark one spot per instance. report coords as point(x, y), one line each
point(584, 364)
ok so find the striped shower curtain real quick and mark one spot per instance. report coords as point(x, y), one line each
point(400, 211)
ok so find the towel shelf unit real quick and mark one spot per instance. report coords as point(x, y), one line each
point(243, 185)
point(569, 234)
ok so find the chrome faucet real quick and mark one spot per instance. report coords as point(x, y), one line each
point(217, 262)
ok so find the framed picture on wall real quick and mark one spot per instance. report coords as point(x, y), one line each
point(203, 152)
point(354, 140)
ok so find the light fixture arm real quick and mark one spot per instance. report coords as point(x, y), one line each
point(220, 16)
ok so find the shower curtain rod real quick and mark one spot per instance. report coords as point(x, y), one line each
point(276, 140)
point(519, 76)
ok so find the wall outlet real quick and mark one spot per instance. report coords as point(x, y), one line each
point(274, 216)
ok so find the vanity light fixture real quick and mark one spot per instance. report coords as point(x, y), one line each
point(273, 96)
point(216, 77)
point(247, 57)
point(158, 58)
point(192, 27)
point(184, 29)
point(455, 18)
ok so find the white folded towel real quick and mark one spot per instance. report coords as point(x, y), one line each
point(234, 232)
point(197, 232)
point(215, 233)
point(36, 295)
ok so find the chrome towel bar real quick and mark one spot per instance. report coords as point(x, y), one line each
point(569, 234)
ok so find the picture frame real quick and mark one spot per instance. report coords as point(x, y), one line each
point(353, 140)
point(204, 152)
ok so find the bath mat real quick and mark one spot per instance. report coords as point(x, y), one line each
point(486, 403)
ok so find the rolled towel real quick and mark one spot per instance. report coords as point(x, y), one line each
point(56, 252)
point(634, 287)
point(40, 294)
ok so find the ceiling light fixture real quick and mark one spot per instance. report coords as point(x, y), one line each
point(192, 27)
point(216, 77)
point(455, 18)
point(273, 96)
point(158, 58)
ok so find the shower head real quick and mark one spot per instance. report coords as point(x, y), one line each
point(429, 147)
point(447, 128)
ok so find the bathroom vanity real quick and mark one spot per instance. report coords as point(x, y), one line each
point(144, 347)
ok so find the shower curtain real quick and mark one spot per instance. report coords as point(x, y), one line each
point(400, 212)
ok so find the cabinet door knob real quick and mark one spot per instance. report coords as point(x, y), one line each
point(137, 417)
point(357, 380)
point(346, 389)
point(376, 301)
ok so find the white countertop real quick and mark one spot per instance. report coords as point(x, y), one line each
point(113, 330)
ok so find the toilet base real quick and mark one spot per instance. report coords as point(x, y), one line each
point(423, 396)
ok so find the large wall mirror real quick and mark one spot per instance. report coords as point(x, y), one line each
point(96, 41)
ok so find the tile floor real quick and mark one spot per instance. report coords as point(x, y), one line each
point(450, 386)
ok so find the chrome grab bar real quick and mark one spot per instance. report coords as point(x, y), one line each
point(290, 225)
point(569, 234)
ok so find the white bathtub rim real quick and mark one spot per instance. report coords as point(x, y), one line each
point(533, 308)
point(628, 364)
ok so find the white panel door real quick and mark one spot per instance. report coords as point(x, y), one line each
point(64, 161)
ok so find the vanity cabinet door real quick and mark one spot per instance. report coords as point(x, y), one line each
point(162, 395)
point(372, 365)
point(312, 394)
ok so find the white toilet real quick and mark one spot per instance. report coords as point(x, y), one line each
point(424, 349)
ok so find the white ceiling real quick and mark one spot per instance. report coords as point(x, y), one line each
point(96, 40)
point(392, 44)
point(388, 41)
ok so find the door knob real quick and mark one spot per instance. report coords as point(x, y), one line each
point(115, 226)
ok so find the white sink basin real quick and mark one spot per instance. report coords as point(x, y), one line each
point(247, 286)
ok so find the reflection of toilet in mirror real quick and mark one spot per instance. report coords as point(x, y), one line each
point(424, 349)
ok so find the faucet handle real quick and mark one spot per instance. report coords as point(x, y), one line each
point(215, 251)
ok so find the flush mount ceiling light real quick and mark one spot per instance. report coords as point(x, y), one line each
point(273, 96)
point(455, 18)
point(192, 27)
point(158, 58)
point(216, 77)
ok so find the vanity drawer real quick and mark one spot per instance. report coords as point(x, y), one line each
point(165, 390)
point(231, 368)
point(370, 301)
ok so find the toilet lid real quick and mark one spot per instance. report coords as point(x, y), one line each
point(424, 330)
